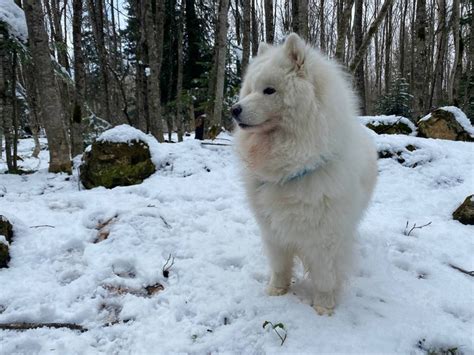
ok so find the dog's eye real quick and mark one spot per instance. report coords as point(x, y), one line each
point(269, 91)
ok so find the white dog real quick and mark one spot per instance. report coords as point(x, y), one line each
point(310, 167)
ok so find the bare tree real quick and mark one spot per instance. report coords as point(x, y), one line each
point(359, 72)
point(53, 117)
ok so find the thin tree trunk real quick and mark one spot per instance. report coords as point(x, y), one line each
point(322, 26)
point(154, 29)
point(53, 117)
point(420, 58)
point(303, 19)
point(217, 92)
point(255, 38)
point(359, 73)
point(269, 24)
point(245, 35)
point(388, 49)
point(79, 80)
point(402, 39)
point(438, 77)
point(453, 83)
point(344, 12)
point(179, 75)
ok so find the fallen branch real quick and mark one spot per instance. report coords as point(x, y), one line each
point(470, 273)
point(28, 326)
point(43, 226)
point(221, 144)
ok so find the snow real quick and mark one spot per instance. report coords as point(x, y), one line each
point(387, 120)
point(459, 115)
point(193, 208)
point(15, 18)
point(3, 240)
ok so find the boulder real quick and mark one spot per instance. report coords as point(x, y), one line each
point(6, 237)
point(112, 164)
point(465, 212)
point(442, 124)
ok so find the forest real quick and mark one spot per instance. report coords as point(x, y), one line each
point(75, 67)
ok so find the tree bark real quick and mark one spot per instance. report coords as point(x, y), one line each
point(303, 19)
point(179, 75)
point(388, 49)
point(79, 80)
point(53, 117)
point(255, 38)
point(420, 58)
point(442, 47)
point(359, 73)
point(322, 26)
point(245, 35)
point(453, 83)
point(269, 25)
point(401, 68)
point(154, 28)
point(344, 12)
point(217, 90)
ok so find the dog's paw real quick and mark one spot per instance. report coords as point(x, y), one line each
point(323, 310)
point(276, 291)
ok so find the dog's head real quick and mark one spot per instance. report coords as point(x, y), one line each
point(274, 88)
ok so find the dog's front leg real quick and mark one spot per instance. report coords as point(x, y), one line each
point(281, 265)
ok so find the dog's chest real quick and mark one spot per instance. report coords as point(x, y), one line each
point(290, 207)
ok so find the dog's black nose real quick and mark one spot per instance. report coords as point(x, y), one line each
point(236, 111)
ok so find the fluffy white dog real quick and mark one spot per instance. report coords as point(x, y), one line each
point(310, 167)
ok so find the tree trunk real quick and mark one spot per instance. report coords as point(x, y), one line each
point(420, 58)
point(255, 38)
point(359, 73)
point(154, 30)
point(453, 83)
point(49, 97)
point(245, 35)
point(217, 90)
point(322, 26)
point(344, 12)
point(401, 68)
point(79, 80)
point(438, 77)
point(269, 25)
point(303, 19)
point(179, 74)
point(388, 49)
point(360, 53)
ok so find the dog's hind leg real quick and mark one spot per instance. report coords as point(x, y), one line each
point(281, 264)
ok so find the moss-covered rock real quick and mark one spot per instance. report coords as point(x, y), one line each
point(442, 124)
point(395, 128)
point(465, 212)
point(111, 164)
point(6, 231)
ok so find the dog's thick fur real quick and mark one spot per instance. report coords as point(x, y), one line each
point(310, 167)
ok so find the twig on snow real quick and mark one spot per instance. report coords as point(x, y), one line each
point(27, 326)
point(470, 273)
point(166, 267)
point(275, 328)
point(43, 226)
point(408, 232)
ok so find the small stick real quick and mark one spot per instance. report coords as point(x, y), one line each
point(166, 267)
point(414, 227)
point(43, 226)
point(470, 273)
point(27, 326)
point(221, 144)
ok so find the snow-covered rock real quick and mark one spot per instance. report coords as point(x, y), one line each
point(14, 17)
point(389, 124)
point(120, 157)
point(447, 122)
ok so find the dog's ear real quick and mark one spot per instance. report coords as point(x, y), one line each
point(262, 48)
point(295, 49)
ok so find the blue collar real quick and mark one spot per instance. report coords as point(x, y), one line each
point(299, 174)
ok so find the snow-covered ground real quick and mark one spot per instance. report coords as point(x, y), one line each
point(403, 296)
